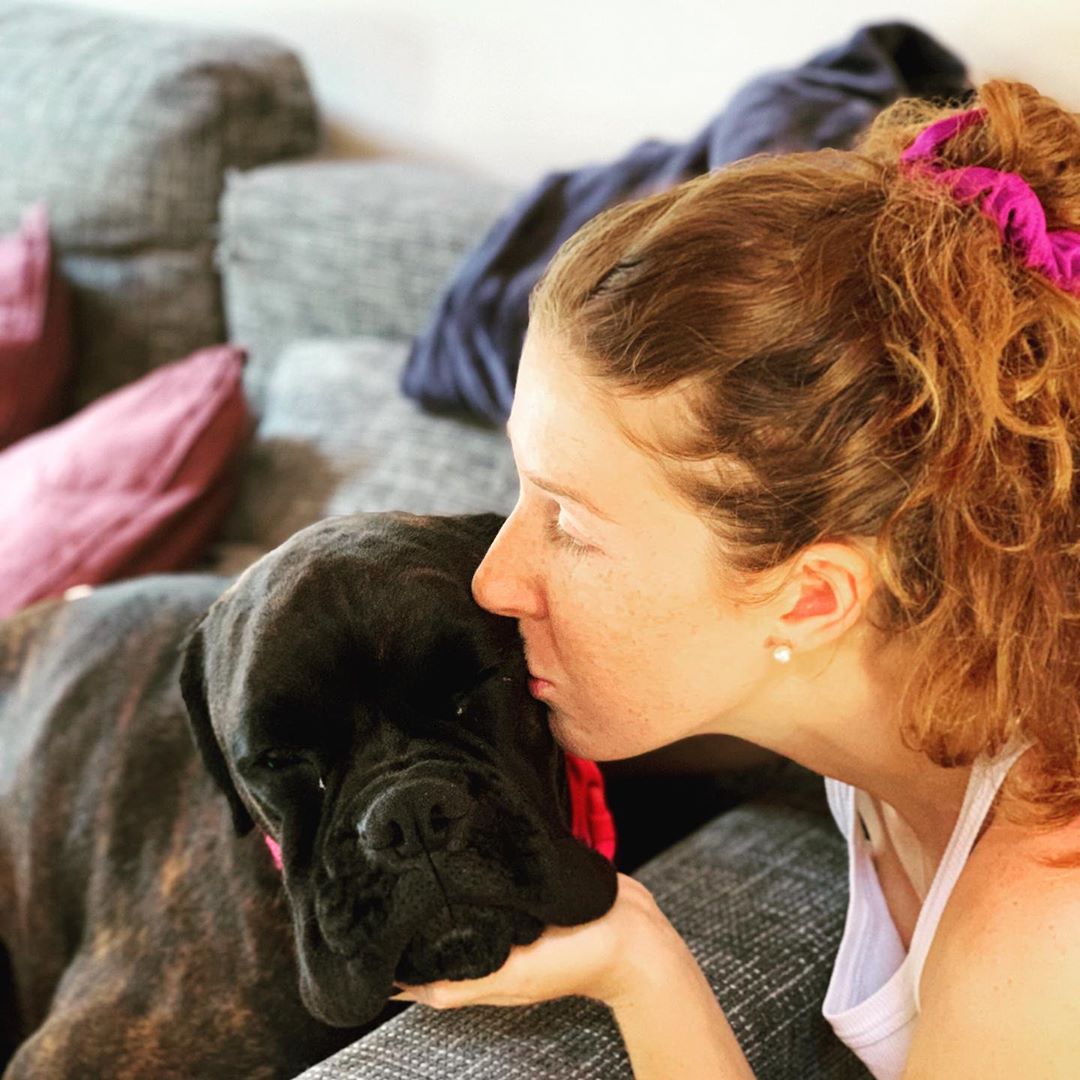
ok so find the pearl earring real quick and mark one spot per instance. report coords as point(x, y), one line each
point(782, 654)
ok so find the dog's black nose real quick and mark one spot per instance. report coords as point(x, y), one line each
point(422, 814)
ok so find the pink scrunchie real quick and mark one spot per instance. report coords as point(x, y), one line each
point(1009, 201)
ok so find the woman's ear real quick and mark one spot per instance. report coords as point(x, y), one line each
point(828, 590)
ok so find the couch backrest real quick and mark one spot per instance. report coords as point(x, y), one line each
point(317, 249)
point(126, 129)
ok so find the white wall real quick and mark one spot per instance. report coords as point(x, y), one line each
point(512, 88)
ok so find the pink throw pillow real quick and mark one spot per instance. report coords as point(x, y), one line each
point(137, 482)
point(35, 331)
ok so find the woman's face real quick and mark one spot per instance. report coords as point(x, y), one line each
point(612, 578)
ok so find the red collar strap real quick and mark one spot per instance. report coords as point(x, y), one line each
point(590, 818)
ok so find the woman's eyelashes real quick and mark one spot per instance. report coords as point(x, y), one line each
point(558, 535)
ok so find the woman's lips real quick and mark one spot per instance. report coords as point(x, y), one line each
point(538, 687)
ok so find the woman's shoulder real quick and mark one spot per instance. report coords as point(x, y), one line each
point(1010, 894)
point(1010, 858)
point(1000, 983)
point(1020, 849)
point(1013, 861)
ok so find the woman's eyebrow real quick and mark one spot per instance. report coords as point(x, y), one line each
point(564, 492)
point(567, 493)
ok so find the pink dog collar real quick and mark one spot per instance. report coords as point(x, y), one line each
point(590, 818)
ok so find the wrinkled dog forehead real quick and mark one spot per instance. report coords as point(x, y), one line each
point(357, 605)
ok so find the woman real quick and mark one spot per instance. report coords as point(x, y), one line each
point(797, 448)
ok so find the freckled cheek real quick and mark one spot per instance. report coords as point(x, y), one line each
point(601, 642)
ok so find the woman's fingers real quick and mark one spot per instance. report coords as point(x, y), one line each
point(442, 995)
point(564, 960)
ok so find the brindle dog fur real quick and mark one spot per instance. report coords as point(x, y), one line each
point(348, 698)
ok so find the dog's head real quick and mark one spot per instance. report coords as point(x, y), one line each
point(352, 700)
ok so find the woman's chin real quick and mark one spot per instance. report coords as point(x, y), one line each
point(583, 744)
point(564, 733)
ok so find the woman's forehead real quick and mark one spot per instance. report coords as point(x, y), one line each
point(558, 411)
point(568, 429)
point(556, 390)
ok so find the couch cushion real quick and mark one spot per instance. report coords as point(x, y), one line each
point(760, 896)
point(35, 331)
point(134, 483)
point(336, 436)
point(125, 127)
point(342, 249)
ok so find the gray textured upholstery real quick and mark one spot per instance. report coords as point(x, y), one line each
point(759, 894)
point(336, 436)
point(125, 129)
point(343, 249)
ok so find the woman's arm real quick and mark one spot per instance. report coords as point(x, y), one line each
point(672, 1024)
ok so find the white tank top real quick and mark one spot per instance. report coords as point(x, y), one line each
point(872, 1001)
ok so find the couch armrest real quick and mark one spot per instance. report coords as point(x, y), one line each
point(760, 896)
point(344, 248)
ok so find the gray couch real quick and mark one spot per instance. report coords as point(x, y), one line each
point(189, 207)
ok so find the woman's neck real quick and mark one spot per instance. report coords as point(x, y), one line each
point(837, 714)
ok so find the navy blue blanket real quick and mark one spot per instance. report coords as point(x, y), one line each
point(466, 360)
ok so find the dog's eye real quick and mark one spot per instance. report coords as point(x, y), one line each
point(277, 760)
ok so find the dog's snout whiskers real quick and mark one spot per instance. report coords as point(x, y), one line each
point(414, 819)
point(442, 888)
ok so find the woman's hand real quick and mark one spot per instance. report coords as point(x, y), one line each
point(596, 959)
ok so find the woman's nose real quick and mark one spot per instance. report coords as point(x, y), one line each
point(505, 582)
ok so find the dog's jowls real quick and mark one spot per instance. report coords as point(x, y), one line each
point(350, 700)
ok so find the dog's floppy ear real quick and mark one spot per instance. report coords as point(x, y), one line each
point(193, 687)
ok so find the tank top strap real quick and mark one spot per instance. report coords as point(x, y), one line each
point(841, 800)
point(986, 778)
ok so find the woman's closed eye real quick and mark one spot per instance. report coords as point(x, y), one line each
point(558, 535)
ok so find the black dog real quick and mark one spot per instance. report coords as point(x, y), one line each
point(356, 706)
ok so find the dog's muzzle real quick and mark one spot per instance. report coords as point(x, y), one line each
point(414, 819)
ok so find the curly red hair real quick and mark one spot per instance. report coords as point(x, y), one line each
point(864, 357)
